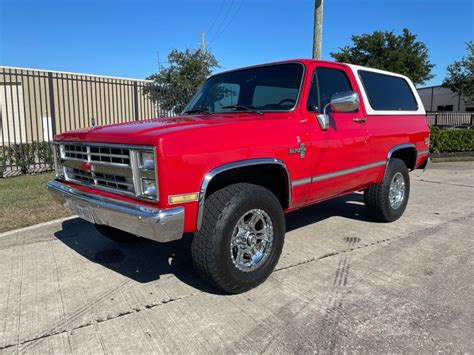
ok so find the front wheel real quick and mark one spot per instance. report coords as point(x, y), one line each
point(387, 201)
point(241, 237)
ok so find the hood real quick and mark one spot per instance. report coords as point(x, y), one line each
point(146, 132)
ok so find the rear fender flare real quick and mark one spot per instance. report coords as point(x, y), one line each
point(399, 147)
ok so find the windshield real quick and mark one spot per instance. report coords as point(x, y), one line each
point(266, 88)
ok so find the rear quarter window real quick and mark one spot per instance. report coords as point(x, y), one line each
point(387, 92)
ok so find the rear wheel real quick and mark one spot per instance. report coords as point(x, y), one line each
point(387, 201)
point(115, 234)
point(241, 237)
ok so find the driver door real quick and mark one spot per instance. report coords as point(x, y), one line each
point(339, 154)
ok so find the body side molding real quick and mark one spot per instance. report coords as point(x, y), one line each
point(338, 173)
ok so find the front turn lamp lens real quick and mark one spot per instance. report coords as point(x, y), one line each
point(149, 187)
point(183, 198)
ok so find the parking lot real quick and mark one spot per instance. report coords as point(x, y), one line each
point(343, 283)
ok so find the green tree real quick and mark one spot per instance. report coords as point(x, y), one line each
point(175, 84)
point(460, 77)
point(387, 51)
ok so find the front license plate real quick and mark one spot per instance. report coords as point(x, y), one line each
point(82, 211)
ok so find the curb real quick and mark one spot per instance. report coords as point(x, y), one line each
point(452, 156)
point(29, 228)
point(451, 159)
point(467, 153)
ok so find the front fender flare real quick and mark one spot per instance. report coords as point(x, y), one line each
point(234, 165)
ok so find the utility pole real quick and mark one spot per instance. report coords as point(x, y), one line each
point(203, 43)
point(318, 29)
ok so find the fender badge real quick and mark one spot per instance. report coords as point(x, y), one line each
point(301, 150)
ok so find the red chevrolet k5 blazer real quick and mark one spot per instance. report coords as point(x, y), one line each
point(251, 145)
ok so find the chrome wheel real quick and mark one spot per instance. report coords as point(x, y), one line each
point(252, 240)
point(397, 191)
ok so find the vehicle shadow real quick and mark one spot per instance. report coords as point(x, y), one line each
point(144, 261)
point(349, 206)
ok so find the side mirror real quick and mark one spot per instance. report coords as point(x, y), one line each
point(346, 101)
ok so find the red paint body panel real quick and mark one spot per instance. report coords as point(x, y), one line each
point(190, 146)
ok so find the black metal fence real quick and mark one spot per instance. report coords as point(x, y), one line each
point(451, 119)
point(35, 105)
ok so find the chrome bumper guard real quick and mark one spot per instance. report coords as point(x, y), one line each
point(161, 225)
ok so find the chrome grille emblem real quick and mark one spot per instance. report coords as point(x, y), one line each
point(87, 167)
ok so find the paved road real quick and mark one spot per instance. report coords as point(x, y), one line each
point(343, 284)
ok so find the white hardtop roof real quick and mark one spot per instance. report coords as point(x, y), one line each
point(370, 111)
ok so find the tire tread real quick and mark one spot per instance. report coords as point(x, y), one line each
point(376, 197)
point(203, 248)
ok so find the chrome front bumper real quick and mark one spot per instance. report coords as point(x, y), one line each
point(162, 225)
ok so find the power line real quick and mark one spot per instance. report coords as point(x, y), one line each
point(223, 20)
point(229, 23)
point(217, 17)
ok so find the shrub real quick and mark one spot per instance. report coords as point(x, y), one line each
point(22, 155)
point(44, 152)
point(451, 140)
point(3, 160)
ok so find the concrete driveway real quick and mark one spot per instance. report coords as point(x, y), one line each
point(343, 283)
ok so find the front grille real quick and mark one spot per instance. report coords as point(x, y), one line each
point(102, 166)
point(75, 152)
point(110, 181)
point(99, 154)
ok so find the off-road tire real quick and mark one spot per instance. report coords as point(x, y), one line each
point(115, 234)
point(376, 197)
point(211, 244)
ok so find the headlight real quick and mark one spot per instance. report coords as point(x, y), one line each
point(145, 174)
point(147, 160)
point(149, 187)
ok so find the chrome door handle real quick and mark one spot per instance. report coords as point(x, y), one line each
point(359, 120)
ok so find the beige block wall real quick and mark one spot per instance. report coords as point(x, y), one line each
point(26, 109)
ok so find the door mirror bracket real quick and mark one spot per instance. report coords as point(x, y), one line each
point(323, 118)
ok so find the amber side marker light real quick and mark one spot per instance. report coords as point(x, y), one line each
point(174, 199)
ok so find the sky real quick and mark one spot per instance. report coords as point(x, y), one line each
point(127, 38)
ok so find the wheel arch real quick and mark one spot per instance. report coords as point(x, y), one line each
point(237, 168)
point(406, 152)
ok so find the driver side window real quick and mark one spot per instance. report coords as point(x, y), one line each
point(325, 83)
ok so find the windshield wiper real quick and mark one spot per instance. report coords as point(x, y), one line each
point(245, 108)
point(198, 110)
